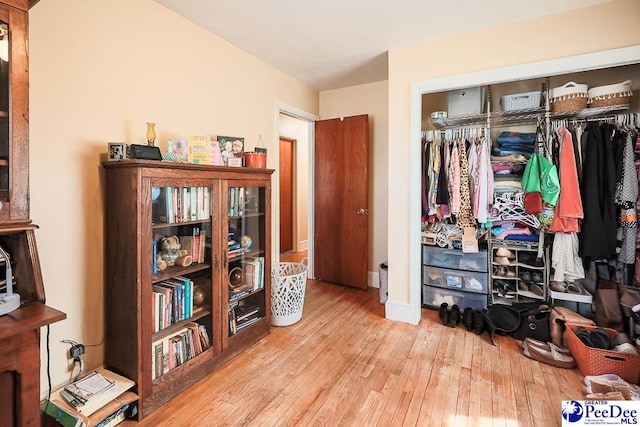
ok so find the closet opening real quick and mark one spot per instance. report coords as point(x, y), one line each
point(442, 283)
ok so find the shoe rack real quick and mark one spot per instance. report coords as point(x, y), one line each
point(516, 273)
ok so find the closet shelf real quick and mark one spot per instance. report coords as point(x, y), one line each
point(527, 115)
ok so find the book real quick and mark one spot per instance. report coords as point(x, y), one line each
point(89, 386)
point(216, 154)
point(61, 415)
point(181, 149)
point(122, 384)
point(200, 149)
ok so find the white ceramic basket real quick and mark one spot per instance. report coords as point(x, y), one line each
point(289, 281)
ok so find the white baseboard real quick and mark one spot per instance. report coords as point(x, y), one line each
point(401, 312)
point(303, 245)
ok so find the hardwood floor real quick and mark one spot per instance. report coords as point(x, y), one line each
point(345, 364)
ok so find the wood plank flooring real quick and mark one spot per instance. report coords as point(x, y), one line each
point(344, 364)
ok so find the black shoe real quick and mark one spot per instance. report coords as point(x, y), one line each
point(467, 318)
point(478, 322)
point(444, 313)
point(454, 316)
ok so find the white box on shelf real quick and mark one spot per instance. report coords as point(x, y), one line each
point(466, 102)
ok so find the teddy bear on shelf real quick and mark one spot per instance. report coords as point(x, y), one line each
point(171, 253)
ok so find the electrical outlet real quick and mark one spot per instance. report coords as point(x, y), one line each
point(76, 351)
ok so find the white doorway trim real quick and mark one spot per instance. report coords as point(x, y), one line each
point(591, 61)
point(275, 232)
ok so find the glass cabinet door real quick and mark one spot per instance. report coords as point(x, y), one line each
point(183, 315)
point(246, 237)
point(4, 111)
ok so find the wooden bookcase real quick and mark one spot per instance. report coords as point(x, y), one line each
point(148, 200)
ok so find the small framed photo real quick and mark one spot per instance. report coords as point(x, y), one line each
point(230, 147)
point(117, 151)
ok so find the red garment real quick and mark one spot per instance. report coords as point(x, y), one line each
point(569, 207)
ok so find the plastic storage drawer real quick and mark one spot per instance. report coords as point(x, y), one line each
point(451, 258)
point(469, 281)
point(433, 297)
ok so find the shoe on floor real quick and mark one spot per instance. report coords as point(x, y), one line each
point(548, 354)
point(609, 382)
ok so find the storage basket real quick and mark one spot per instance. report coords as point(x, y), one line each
point(610, 95)
point(520, 101)
point(569, 97)
point(289, 281)
point(595, 361)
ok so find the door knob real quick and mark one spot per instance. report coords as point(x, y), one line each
point(362, 211)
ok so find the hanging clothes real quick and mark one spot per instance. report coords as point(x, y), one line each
point(569, 206)
point(599, 225)
point(454, 179)
point(465, 217)
point(626, 196)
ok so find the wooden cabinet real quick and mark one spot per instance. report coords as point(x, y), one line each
point(14, 112)
point(168, 328)
point(20, 328)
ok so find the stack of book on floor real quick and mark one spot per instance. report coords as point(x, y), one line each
point(98, 398)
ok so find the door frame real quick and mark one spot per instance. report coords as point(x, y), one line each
point(281, 107)
point(411, 312)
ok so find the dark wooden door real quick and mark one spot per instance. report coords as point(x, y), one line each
point(341, 189)
point(286, 194)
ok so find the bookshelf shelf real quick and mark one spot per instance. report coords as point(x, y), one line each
point(171, 327)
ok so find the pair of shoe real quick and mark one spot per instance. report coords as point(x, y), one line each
point(531, 276)
point(506, 253)
point(565, 287)
point(502, 260)
point(530, 259)
point(504, 289)
point(503, 271)
point(608, 383)
point(449, 317)
point(530, 290)
point(548, 353)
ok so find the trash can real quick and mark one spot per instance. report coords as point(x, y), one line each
point(289, 281)
point(383, 272)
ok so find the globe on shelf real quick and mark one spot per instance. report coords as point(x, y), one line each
point(199, 295)
point(246, 241)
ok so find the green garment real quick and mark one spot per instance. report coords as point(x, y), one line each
point(541, 175)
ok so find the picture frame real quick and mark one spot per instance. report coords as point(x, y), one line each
point(117, 151)
point(231, 147)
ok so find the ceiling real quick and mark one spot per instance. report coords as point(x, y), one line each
point(338, 43)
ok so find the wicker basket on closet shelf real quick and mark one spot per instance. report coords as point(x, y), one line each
point(569, 97)
point(610, 95)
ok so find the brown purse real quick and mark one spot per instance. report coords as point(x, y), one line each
point(607, 300)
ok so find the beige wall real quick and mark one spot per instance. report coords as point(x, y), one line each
point(298, 130)
point(607, 26)
point(371, 99)
point(98, 71)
